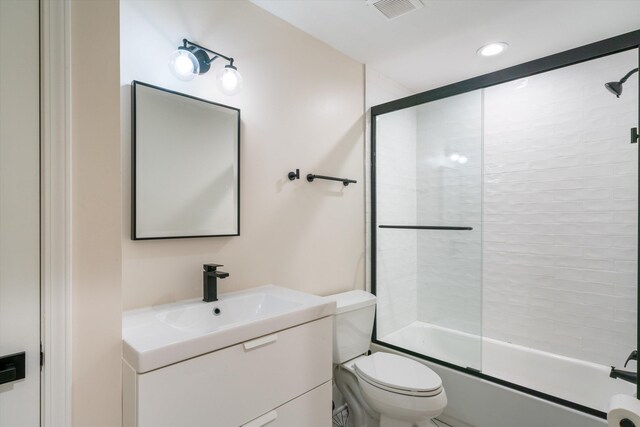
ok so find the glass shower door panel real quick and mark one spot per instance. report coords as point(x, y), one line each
point(431, 302)
point(561, 222)
point(396, 254)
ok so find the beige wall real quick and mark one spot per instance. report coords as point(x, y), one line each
point(96, 214)
point(302, 107)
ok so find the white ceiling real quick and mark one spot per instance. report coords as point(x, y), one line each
point(437, 44)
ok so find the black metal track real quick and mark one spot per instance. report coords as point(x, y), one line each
point(559, 60)
point(638, 239)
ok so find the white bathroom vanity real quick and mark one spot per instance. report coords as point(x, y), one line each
point(253, 358)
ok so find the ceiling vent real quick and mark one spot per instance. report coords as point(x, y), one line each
point(394, 8)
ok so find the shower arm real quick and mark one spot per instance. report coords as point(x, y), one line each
point(632, 356)
point(624, 79)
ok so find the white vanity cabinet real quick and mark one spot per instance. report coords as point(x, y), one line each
point(280, 379)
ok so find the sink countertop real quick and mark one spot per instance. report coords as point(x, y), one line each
point(158, 336)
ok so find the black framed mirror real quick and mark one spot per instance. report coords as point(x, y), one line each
point(185, 165)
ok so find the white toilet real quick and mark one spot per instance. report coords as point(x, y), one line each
point(382, 389)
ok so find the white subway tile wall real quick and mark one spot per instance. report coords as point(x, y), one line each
point(560, 211)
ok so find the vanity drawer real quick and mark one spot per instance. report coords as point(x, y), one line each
point(312, 409)
point(233, 386)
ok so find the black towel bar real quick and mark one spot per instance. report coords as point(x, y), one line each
point(345, 181)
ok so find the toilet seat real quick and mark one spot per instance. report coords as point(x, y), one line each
point(398, 374)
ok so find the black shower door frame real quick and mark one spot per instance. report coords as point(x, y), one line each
point(610, 46)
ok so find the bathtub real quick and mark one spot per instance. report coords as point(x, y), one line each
point(583, 383)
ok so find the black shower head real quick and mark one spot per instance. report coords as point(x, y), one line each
point(616, 87)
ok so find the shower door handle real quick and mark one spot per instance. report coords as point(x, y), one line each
point(634, 135)
point(425, 227)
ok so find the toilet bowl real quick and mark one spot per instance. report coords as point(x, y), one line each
point(381, 389)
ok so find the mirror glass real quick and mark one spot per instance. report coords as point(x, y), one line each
point(185, 165)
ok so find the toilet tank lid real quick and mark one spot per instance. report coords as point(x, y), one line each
point(352, 300)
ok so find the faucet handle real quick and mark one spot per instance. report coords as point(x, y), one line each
point(211, 267)
point(221, 274)
point(632, 356)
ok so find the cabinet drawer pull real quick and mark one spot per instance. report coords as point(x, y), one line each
point(259, 342)
point(263, 420)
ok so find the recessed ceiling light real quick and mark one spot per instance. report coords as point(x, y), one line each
point(492, 49)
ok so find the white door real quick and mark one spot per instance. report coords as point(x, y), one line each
point(19, 210)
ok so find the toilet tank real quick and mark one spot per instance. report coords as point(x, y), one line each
point(353, 324)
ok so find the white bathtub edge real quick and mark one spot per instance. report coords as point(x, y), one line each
point(482, 403)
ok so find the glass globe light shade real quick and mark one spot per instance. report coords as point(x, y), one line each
point(184, 65)
point(229, 80)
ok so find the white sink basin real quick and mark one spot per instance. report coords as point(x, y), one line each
point(158, 336)
point(230, 310)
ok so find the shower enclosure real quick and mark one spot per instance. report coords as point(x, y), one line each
point(505, 224)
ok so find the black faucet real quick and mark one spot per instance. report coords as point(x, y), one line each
point(210, 276)
point(629, 376)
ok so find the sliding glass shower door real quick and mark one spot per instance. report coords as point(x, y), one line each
point(428, 214)
point(505, 225)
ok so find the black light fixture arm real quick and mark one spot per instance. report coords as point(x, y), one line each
point(186, 42)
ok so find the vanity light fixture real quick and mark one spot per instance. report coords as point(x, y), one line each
point(191, 59)
point(492, 49)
